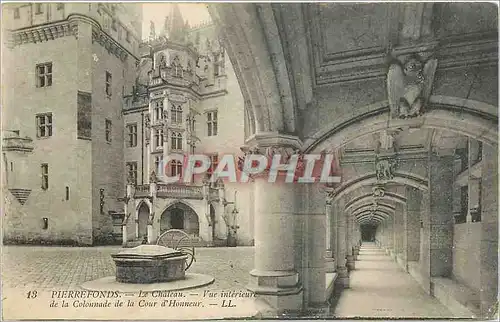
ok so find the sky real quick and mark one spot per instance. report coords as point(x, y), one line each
point(194, 13)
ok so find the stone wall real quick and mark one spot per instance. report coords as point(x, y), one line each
point(68, 159)
point(467, 254)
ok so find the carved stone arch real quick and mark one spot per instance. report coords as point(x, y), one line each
point(389, 196)
point(366, 208)
point(180, 214)
point(381, 215)
point(141, 202)
point(467, 117)
point(255, 51)
point(370, 179)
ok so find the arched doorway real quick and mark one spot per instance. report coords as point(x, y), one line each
point(180, 216)
point(143, 218)
point(177, 218)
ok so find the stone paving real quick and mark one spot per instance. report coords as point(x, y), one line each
point(380, 288)
point(44, 267)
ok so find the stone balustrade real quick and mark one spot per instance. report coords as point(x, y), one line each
point(179, 191)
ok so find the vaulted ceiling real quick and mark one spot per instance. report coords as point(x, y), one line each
point(284, 53)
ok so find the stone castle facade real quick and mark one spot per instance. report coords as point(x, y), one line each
point(99, 111)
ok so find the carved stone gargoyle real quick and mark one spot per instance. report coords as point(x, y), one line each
point(409, 86)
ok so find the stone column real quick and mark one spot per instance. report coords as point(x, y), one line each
point(441, 215)
point(489, 231)
point(136, 223)
point(329, 262)
point(275, 278)
point(334, 229)
point(128, 194)
point(438, 220)
point(404, 239)
point(151, 232)
point(310, 214)
point(389, 236)
point(343, 275)
point(396, 234)
point(349, 242)
point(413, 200)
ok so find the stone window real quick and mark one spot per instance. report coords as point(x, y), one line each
point(113, 25)
point(108, 84)
point(175, 168)
point(44, 125)
point(176, 114)
point(158, 138)
point(216, 65)
point(127, 36)
point(38, 8)
point(159, 164)
point(60, 6)
point(17, 13)
point(158, 108)
point(132, 172)
point(132, 135)
point(45, 176)
point(212, 123)
point(44, 75)
point(108, 130)
point(176, 141)
point(176, 67)
point(67, 193)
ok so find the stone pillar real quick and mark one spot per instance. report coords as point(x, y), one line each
point(424, 259)
point(404, 239)
point(396, 234)
point(151, 232)
point(389, 236)
point(310, 214)
point(334, 237)
point(349, 244)
point(206, 202)
point(413, 200)
point(436, 256)
point(275, 278)
point(489, 231)
point(343, 275)
point(440, 215)
point(329, 262)
point(136, 222)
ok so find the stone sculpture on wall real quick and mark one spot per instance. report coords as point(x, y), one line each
point(385, 168)
point(409, 86)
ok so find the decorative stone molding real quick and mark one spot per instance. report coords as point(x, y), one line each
point(17, 144)
point(44, 33)
point(378, 191)
point(21, 194)
point(107, 42)
point(409, 86)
